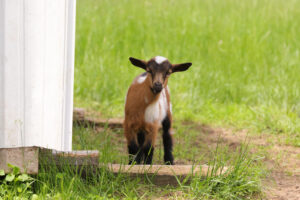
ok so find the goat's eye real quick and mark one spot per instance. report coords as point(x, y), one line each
point(151, 73)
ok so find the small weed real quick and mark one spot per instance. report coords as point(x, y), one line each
point(16, 184)
point(240, 181)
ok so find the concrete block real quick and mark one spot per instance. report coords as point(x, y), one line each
point(26, 158)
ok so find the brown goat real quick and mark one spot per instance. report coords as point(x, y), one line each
point(148, 107)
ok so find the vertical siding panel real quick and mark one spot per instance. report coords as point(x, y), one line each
point(34, 65)
point(36, 77)
point(13, 105)
point(54, 72)
point(2, 72)
point(70, 51)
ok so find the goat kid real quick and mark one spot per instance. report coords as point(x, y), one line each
point(148, 107)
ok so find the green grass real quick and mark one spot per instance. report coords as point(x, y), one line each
point(241, 181)
point(192, 146)
point(245, 75)
point(245, 57)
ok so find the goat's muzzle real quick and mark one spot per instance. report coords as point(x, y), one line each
point(157, 87)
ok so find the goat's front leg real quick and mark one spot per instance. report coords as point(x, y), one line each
point(146, 147)
point(149, 144)
point(134, 150)
point(167, 141)
point(135, 153)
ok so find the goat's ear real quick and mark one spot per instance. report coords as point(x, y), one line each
point(180, 67)
point(138, 63)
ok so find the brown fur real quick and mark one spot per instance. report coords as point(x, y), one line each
point(135, 108)
point(141, 134)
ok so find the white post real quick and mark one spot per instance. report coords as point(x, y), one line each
point(36, 73)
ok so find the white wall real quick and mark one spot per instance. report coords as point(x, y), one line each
point(36, 73)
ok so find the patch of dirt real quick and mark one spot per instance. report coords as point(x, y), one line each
point(283, 160)
point(280, 186)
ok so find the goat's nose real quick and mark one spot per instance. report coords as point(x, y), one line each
point(157, 86)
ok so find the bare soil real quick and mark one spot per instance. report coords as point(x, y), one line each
point(283, 161)
point(283, 183)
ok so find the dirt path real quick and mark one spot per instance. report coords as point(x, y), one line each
point(283, 160)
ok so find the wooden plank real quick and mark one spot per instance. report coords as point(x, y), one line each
point(30, 159)
point(26, 158)
point(78, 114)
point(111, 123)
point(163, 174)
point(81, 117)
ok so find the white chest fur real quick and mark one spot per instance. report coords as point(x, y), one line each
point(157, 111)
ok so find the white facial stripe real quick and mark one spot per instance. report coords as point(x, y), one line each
point(159, 59)
point(141, 79)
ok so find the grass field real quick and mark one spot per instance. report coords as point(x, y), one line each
point(242, 181)
point(245, 76)
point(245, 57)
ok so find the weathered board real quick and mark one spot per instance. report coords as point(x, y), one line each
point(163, 174)
point(29, 159)
point(80, 117)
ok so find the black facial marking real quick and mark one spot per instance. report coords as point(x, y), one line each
point(167, 141)
point(159, 73)
point(154, 67)
point(148, 154)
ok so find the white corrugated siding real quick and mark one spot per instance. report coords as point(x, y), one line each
point(36, 73)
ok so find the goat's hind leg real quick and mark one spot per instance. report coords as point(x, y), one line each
point(148, 153)
point(167, 141)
